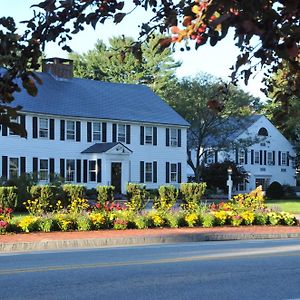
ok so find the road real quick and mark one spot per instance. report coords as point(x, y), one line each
point(267, 269)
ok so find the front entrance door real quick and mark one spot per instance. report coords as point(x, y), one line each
point(116, 176)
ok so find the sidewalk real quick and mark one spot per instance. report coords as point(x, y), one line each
point(95, 239)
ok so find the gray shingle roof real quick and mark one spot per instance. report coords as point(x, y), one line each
point(79, 97)
point(103, 147)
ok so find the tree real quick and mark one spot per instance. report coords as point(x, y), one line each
point(114, 63)
point(273, 24)
point(213, 115)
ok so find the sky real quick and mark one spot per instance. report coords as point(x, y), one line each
point(212, 60)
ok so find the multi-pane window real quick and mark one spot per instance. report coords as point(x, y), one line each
point(173, 137)
point(148, 135)
point(283, 158)
point(173, 173)
point(14, 120)
point(270, 158)
point(242, 186)
point(13, 167)
point(70, 125)
point(92, 170)
point(70, 170)
point(148, 172)
point(43, 127)
point(44, 169)
point(256, 157)
point(121, 133)
point(241, 157)
point(97, 131)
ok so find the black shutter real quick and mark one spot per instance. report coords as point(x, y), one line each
point(23, 121)
point(252, 157)
point(155, 171)
point(246, 156)
point(279, 158)
point(216, 156)
point(52, 134)
point(114, 133)
point(179, 172)
point(104, 129)
point(85, 170)
point(23, 165)
point(260, 157)
point(142, 138)
point(4, 167)
point(167, 172)
point(167, 137)
point(142, 172)
point(99, 170)
point(287, 158)
point(62, 168)
point(78, 131)
point(34, 164)
point(128, 134)
point(62, 130)
point(274, 158)
point(78, 170)
point(52, 168)
point(179, 137)
point(154, 136)
point(236, 155)
point(265, 157)
point(4, 130)
point(34, 127)
point(89, 132)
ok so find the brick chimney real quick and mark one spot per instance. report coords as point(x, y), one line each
point(59, 67)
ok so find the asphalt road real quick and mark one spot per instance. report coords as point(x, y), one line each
point(267, 269)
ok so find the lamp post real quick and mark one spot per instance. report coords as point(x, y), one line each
point(229, 182)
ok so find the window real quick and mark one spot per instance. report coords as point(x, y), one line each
point(92, 170)
point(174, 137)
point(148, 172)
point(263, 132)
point(44, 171)
point(70, 130)
point(43, 127)
point(210, 157)
point(96, 131)
point(241, 157)
point(173, 173)
point(264, 182)
point(13, 167)
point(283, 158)
point(270, 158)
point(70, 170)
point(263, 169)
point(14, 120)
point(256, 157)
point(121, 133)
point(148, 135)
point(283, 170)
point(242, 186)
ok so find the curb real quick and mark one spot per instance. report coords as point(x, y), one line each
point(136, 240)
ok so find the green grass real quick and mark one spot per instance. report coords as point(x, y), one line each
point(289, 205)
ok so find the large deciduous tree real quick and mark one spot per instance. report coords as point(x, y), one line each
point(215, 116)
point(114, 63)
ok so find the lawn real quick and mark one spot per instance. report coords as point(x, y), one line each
point(289, 205)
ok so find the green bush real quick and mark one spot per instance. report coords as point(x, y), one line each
point(191, 194)
point(45, 194)
point(72, 192)
point(275, 190)
point(136, 196)
point(207, 220)
point(83, 223)
point(8, 197)
point(167, 198)
point(260, 219)
point(105, 193)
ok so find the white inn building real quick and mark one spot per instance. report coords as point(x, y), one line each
point(95, 133)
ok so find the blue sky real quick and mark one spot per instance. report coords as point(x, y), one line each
point(214, 60)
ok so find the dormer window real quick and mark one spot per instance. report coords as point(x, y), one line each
point(263, 132)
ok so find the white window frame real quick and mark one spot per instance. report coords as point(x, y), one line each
point(283, 159)
point(173, 174)
point(92, 170)
point(44, 171)
point(13, 167)
point(148, 135)
point(173, 137)
point(44, 130)
point(70, 172)
point(241, 157)
point(14, 120)
point(70, 132)
point(270, 158)
point(242, 186)
point(97, 131)
point(148, 172)
point(256, 157)
point(121, 135)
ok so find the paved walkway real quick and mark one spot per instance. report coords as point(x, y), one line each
point(94, 239)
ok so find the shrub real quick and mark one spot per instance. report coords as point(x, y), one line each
point(98, 220)
point(248, 217)
point(236, 220)
point(141, 221)
point(207, 220)
point(83, 223)
point(192, 219)
point(120, 224)
point(191, 194)
point(274, 218)
point(287, 218)
point(105, 194)
point(220, 217)
point(65, 222)
point(73, 192)
point(167, 197)
point(8, 197)
point(29, 223)
point(3, 226)
point(156, 219)
point(45, 224)
point(137, 196)
point(45, 196)
point(275, 190)
point(78, 206)
point(260, 218)
point(247, 201)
